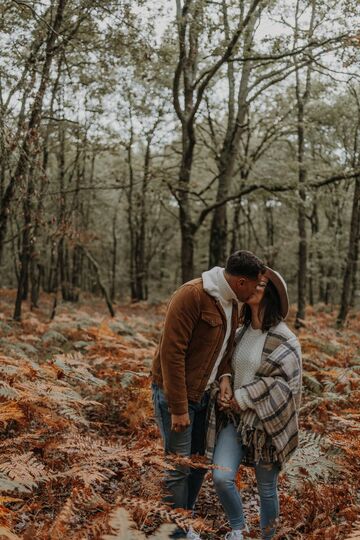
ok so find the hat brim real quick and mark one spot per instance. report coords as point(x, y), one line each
point(281, 289)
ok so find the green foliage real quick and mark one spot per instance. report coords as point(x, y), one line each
point(314, 461)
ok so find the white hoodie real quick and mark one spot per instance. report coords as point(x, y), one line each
point(215, 284)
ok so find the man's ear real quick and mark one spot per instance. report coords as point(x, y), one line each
point(241, 281)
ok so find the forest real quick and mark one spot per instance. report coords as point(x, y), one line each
point(142, 142)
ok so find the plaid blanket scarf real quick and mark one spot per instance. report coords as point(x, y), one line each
point(270, 430)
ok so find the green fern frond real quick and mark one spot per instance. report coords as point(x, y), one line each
point(314, 460)
point(343, 377)
point(96, 451)
point(75, 366)
point(95, 461)
point(7, 391)
point(24, 470)
point(331, 397)
point(334, 397)
point(91, 446)
point(8, 369)
point(88, 473)
point(312, 383)
point(349, 424)
point(72, 414)
point(22, 440)
point(8, 485)
point(80, 499)
point(122, 527)
point(62, 391)
point(165, 513)
point(330, 347)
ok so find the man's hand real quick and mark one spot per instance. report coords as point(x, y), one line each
point(179, 422)
point(225, 393)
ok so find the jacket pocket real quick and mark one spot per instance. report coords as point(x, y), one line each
point(209, 331)
point(210, 318)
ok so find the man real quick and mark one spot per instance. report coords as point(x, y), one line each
point(195, 349)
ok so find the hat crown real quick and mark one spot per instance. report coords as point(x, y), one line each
point(280, 284)
point(281, 278)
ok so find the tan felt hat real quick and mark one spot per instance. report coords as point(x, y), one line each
point(280, 284)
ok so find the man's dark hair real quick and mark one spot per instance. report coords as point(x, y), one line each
point(270, 307)
point(244, 263)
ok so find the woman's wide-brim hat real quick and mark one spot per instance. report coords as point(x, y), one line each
point(280, 285)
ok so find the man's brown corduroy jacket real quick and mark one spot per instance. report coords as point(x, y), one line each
point(194, 331)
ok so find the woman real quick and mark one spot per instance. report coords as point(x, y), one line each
point(259, 424)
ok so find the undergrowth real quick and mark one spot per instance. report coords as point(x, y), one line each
point(81, 456)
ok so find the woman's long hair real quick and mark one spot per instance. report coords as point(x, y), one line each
point(270, 308)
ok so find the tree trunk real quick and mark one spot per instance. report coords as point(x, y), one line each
point(355, 274)
point(30, 137)
point(77, 258)
point(14, 250)
point(187, 249)
point(102, 287)
point(313, 255)
point(230, 149)
point(61, 255)
point(77, 255)
point(87, 216)
point(28, 238)
point(302, 99)
point(188, 94)
point(37, 270)
point(302, 253)
point(270, 234)
point(141, 257)
point(113, 257)
point(350, 267)
point(52, 284)
point(131, 213)
point(187, 228)
point(236, 241)
point(31, 67)
point(329, 287)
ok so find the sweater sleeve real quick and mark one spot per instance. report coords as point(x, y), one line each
point(243, 399)
point(181, 317)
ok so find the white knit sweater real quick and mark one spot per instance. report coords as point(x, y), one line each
point(245, 362)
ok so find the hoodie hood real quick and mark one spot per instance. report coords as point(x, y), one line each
point(215, 284)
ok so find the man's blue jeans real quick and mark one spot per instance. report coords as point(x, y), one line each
point(182, 484)
point(228, 453)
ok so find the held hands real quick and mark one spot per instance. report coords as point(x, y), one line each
point(234, 406)
point(225, 395)
point(226, 399)
point(179, 422)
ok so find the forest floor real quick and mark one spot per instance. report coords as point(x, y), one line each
point(81, 456)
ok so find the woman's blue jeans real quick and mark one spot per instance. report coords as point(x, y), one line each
point(228, 453)
point(182, 484)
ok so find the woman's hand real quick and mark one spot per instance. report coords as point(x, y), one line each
point(234, 406)
point(225, 394)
